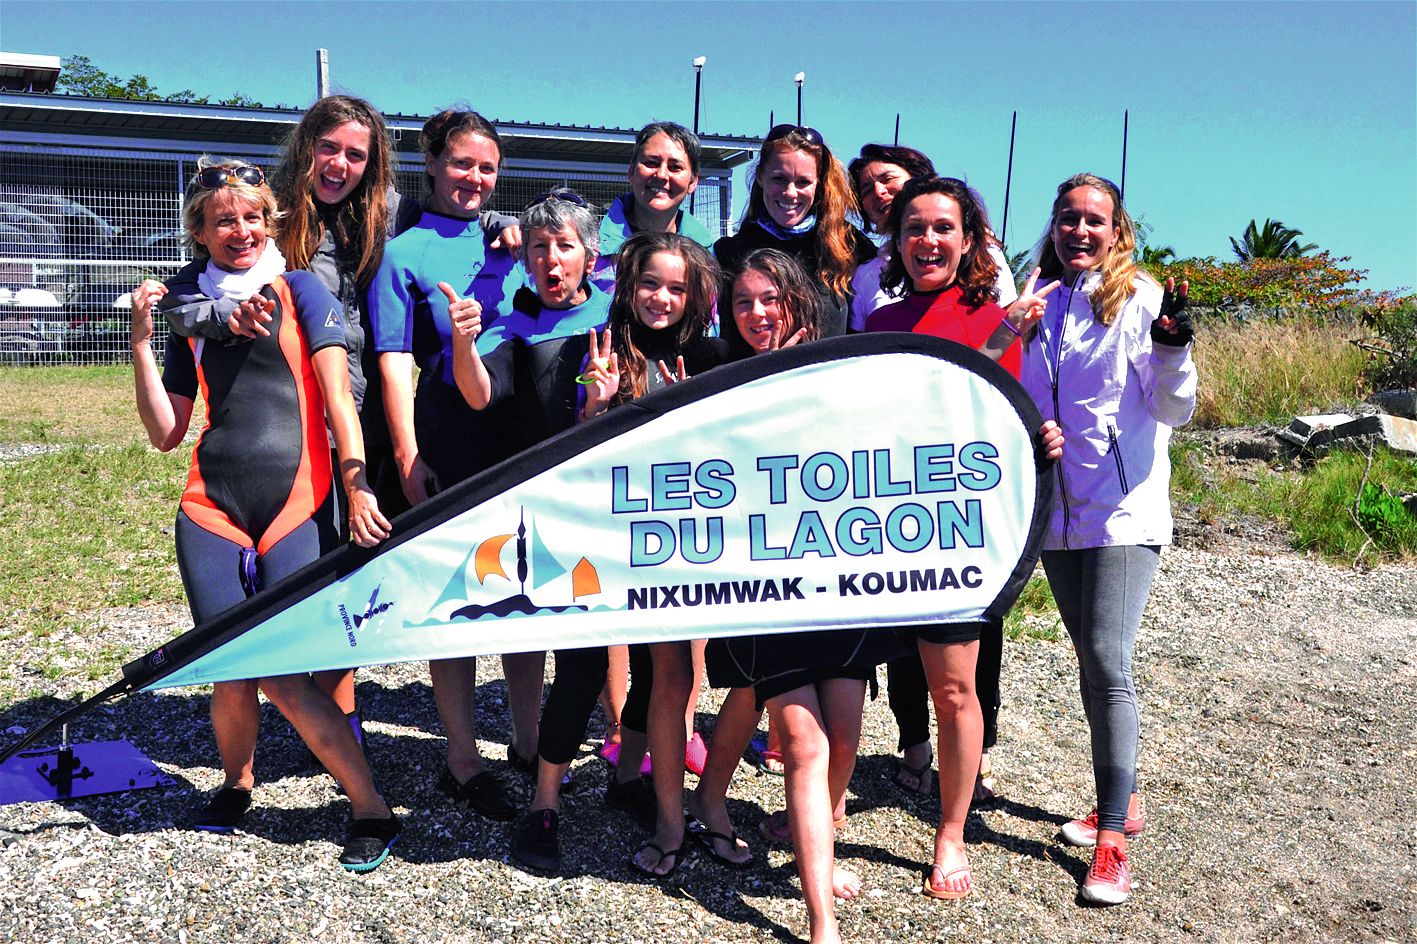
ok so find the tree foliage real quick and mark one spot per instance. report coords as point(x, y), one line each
point(1313, 283)
point(1272, 241)
point(79, 76)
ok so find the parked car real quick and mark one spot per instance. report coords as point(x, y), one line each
point(33, 327)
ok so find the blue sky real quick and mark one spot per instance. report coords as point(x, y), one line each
point(1304, 112)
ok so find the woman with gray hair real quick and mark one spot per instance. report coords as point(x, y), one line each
point(534, 356)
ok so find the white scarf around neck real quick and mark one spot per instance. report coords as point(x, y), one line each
point(217, 283)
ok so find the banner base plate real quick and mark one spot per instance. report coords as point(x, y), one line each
point(79, 770)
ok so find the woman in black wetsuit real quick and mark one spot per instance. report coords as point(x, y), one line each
point(798, 206)
point(663, 307)
point(250, 517)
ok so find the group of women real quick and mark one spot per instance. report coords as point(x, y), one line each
point(521, 329)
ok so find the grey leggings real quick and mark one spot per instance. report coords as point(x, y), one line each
point(1101, 592)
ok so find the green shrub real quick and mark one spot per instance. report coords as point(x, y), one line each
point(1392, 353)
point(1295, 284)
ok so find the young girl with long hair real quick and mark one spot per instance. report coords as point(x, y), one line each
point(813, 684)
point(334, 187)
point(663, 305)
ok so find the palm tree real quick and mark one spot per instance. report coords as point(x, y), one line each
point(1156, 257)
point(1273, 241)
point(1018, 265)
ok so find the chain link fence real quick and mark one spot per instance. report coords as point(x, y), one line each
point(79, 228)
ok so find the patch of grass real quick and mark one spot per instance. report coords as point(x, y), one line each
point(96, 526)
point(1314, 503)
point(69, 405)
point(1271, 370)
point(1035, 615)
point(1326, 496)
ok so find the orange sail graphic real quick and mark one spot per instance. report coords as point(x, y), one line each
point(584, 580)
point(489, 558)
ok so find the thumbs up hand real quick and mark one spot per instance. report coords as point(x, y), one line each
point(465, 313)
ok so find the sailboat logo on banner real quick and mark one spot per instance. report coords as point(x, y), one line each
point(485, 560)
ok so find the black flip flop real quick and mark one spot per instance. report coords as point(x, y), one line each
point(675, 854)
point(705, 839)
point(482, 793)
point(921, 775)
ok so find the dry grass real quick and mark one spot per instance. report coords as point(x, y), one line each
point(1269, 371)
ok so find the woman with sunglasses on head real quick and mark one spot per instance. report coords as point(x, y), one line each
point(938, 256)
point(448, 258)
point(1109, 360)
point(798, 205)
point(664, 171)
point(879, 173)
point(252, 516)
point(533, 359)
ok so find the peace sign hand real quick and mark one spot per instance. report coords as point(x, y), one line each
point(780, 345)
point(1027, 310)
point(1173, 325)
point(675, 376)
point(464, 313)
point(602, 375)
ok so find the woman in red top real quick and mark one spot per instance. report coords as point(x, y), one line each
point(938, 250)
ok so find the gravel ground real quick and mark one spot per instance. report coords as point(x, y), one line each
point(1277, 767)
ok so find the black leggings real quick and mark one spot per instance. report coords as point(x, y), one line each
point(580, 674)
point(909, 694)
point(635, 713)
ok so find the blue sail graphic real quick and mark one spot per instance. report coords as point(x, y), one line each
point(544, 566)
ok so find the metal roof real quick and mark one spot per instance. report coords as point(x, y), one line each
point(240, 125)
point(26, 72)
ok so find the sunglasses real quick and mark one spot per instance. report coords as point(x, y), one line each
point(214, 178)
point(565, 196)
point(812, 135)
point(1110, 184)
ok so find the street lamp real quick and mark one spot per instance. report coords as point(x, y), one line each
point(698, 84)
point(799, 78)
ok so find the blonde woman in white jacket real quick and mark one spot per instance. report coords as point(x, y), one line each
point(1108, 356)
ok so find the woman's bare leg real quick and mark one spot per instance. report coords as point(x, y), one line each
point(949, 671)
point(797, 716)
point(524, 672)
point(673, 681)
point(323, 727)
point(455, 694)
point(236, 722)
